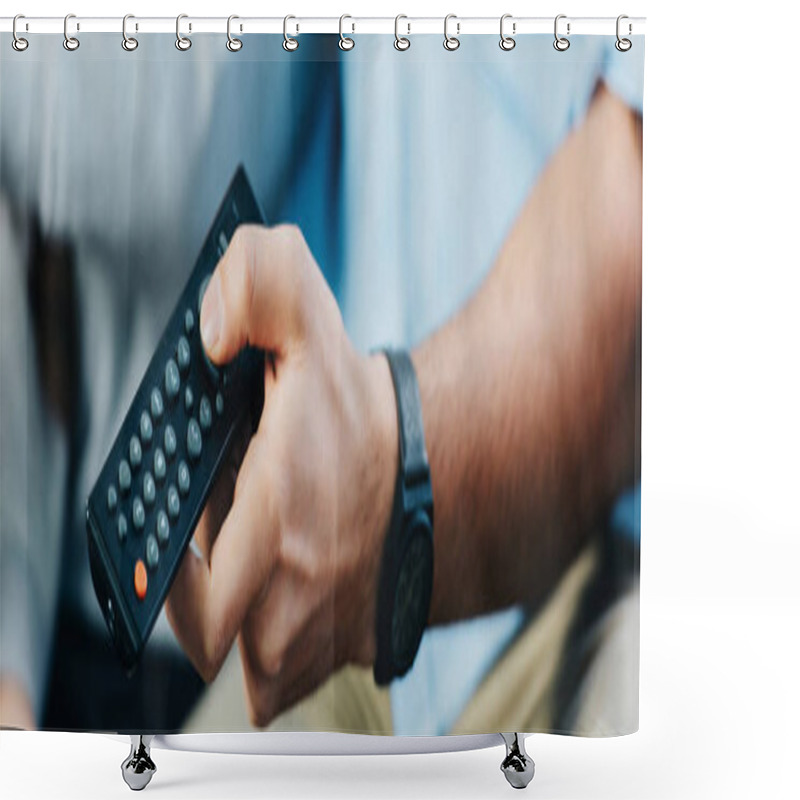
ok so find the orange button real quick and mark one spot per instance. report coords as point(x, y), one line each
point(140, 579)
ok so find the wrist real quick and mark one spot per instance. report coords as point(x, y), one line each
point(377, 492)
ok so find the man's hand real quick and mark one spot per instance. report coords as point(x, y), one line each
point(293, 569)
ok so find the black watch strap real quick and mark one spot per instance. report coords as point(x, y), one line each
point(413, 496)
point(413, 456)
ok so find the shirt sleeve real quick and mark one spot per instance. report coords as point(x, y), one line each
point(32, 471)
point(623, 72)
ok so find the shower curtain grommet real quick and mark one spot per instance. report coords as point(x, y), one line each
point(623, 44)
point(401, 43)
point(561, 43)
point(129, 43)
point(507, 43)
point(451, 43)
point(183, 43)
point(71, 43)
point(233, 44)
point(18, 42)
point(290, 44)
point(345, 42)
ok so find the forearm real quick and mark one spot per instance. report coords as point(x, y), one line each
point(530, 395)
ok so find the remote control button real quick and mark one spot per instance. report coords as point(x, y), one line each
point(162, 529)
point(194, 439)
point(172, 379)
point(173, 503)
point(159, 464)
point(146, 428)
point(124, 476)
point(201, 293)
point(170, 441)
point(184, 481)
point(149, 489)
point(122, 528)
point(156, 404)
point(135, 451)
point(151, 550)
point(184, 355)
point(219, 403)
point(188, 399)
point(112, 499)
point(140, 579)
point(138, 513)
point(205, 413)
point(188, 321)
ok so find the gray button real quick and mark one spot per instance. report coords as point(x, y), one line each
point(172, 379)
point(146, 428)
point(188, 321)
point(112, 498)
point(135, 451)
point(152, 552)
point(188, 399)
point(162, 529)
point(173, 503)
point(205, 413)
point(194, 439)
point(122, 528)
point(156, 404)
point(183, 354)
point(170, 441)
point(149, 489)
point(184, 481)
point(124, 476)
point(138, 513)
point(159, 464)
point(219, 403)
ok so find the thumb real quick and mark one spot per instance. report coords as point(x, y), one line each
point(254, 295)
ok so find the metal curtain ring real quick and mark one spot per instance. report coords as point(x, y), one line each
point(181, 42)
point(70, 42)
point(18, 43)
point(128, 42)
point(507, 42)
point(623, 45)
point(233, 44)
point(451, 42)
point(345, 42)
point(401, 42)
point(290, 44)
point(561, 43)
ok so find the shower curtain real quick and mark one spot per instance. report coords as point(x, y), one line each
point(476, 206)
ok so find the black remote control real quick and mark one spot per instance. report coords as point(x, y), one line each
point(151, 491)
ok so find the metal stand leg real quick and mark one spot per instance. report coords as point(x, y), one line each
point(138, 768)
point(517, 766)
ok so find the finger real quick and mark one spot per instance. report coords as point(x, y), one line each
point(220, 499)
point(254, 296)
point(208, 602)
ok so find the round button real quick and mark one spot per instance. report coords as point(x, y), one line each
point(219, 403)
point(172, 379)
point(173, 503)
point(159, 464)
point(122, 528)
point(184, 355)
point(188, 399)
point(205, 413)
point(170, 441)
point(188, 321)
point(138, 513)
point(149, 489)
point(146, 428)
point(135, 451)
point(151, 550)
point(140, 579)
point(112, 499)
point(194, 439)
point(156, 404)
point(124, 476)
point(184, 480)
point(162, 529)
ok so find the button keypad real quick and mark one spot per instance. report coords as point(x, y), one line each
point(174, 438)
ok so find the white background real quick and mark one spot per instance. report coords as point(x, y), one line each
point(720, 439)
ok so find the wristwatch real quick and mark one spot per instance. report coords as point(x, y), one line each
point(406, 574)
